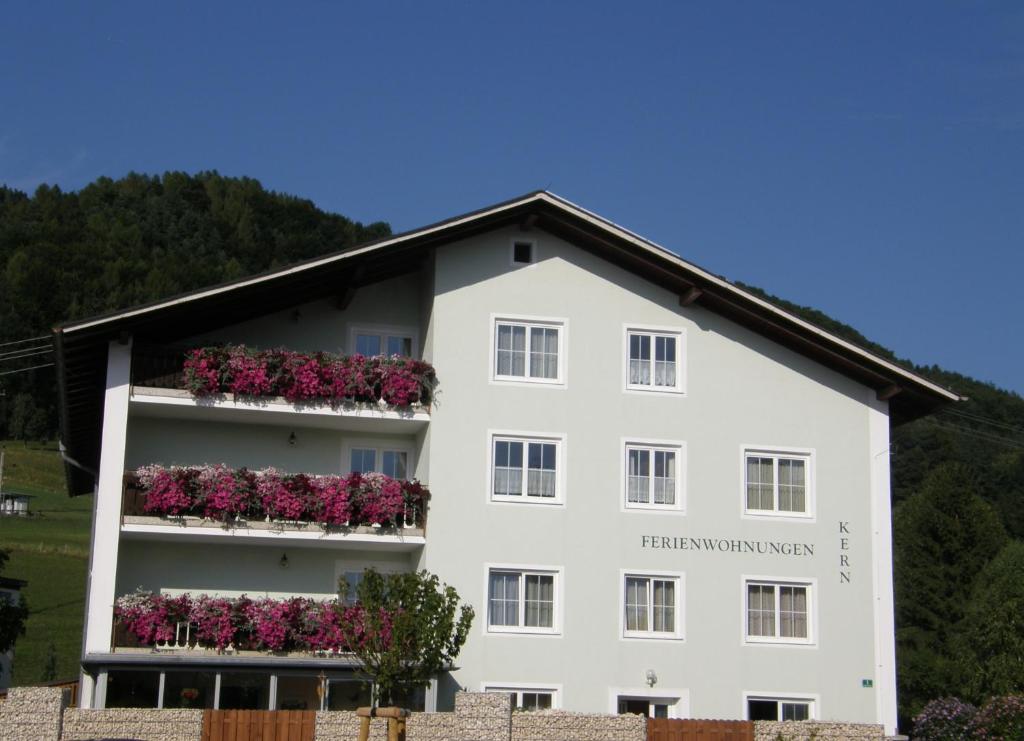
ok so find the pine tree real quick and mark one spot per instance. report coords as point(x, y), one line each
point(945, 535)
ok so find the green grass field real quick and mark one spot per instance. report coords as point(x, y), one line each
point(50, 550)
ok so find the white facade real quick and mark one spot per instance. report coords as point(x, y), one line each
point(703, 531)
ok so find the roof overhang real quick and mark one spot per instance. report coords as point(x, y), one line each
point(81, 346)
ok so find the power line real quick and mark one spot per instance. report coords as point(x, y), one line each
point(983, 420)
point(988, 437)
point(4, 357)
point(22, 342)
point(22, 370)
point(26, 349)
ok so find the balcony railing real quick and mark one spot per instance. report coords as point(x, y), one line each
point(159, 366)
point(204, 623)
point(242, 498)
point(307, 378)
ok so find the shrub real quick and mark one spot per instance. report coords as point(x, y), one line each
point(1001, 718)
point(946, 719)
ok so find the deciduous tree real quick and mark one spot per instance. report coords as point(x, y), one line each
point(404, 629)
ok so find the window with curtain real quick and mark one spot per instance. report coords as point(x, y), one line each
point(520, 600)
point(525, 470)
point(527, 351)
point(778, 611)
point(777, 483)
point(394, 463)
point(652, 476)
point(654, 360)
point(372, 342)
point(651, 605)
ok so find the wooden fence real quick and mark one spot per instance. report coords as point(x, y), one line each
point(259, 725)
point(668, 729)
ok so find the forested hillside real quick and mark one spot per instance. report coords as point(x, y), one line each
point(958, 476)
point(958, 491)
point(117, 243)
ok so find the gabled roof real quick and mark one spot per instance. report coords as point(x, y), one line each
point(81, 345)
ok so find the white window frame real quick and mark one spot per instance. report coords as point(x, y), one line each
point(678, 700)
point(384, 331)
point(379, 447)
point(679, 631)
point(807, 455)
point(555, 438)
point(518, 688)
point(679, 334)
point(810, 584)
point(812, 700)
point(560, 324)
point(524, 569)
point(676, 446)
point(512, 251)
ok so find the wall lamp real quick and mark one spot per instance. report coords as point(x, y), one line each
point(652, 678)
point(284, 561)
point(292, 439)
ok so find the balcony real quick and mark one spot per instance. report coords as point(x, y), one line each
point(220, 505)
point(197, 626)
point(276, 387)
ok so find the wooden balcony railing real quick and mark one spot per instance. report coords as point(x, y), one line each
point(158, 366)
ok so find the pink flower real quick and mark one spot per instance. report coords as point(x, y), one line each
point(168, 491)
point(301, 377)
point(333, 498)
point(295, 623)
point(223, 493)
point(247, 373)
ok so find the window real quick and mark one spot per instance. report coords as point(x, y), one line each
point(525, 470)
point(653, 475)
point(528, 697)
point(522, 600)
point(352, 572)
point(366, 457)
point(522, 251)
point(383, 341)
point(645, 706)
point(528, 351)
point(654, 360)
point(777, 483)
point(776, 708)
point(652, 605)
point(778, 612)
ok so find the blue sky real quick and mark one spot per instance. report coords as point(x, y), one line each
point(866, 159)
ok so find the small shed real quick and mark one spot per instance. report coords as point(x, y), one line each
point(13, 503)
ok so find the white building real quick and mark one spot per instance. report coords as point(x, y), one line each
point(675, 502)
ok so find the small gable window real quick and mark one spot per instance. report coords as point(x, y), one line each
point(522, 252)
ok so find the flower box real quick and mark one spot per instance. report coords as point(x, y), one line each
point(237, 497)
point(188, 622)
point(307, 377)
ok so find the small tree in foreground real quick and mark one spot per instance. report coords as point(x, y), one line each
point(404, 629)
